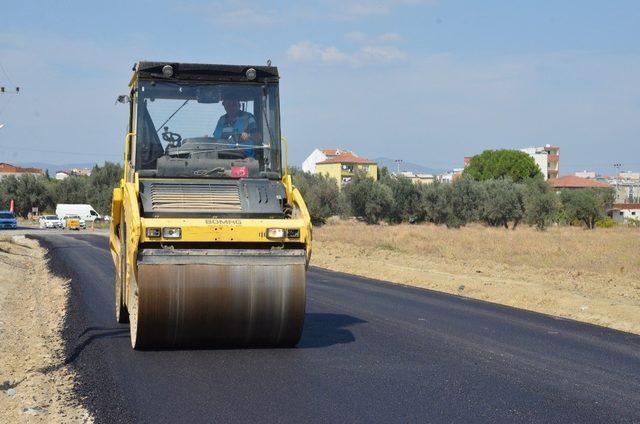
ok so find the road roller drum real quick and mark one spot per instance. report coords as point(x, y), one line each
point(223, 298)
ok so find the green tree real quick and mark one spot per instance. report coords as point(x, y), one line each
point(541, 203)
point(586, 204)
point(494, 164)
point(320, 194)
point(73, 189)
point(453, 204)
point(27, 191)
point(102, 181)
point(465, 197)
point(433, 202)
point(368, 199)
point(406, 198)
point(502, 203)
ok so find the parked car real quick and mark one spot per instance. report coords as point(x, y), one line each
point(50, 221)
point(72, 222)
point(86, 212)
point(8, 220)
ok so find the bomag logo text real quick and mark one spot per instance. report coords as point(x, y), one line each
point(224, 221)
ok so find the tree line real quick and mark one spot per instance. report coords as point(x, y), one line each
point(498, 188)
point(42, 191)
point(498, 202)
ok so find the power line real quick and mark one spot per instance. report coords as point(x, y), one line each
point(6, 74)
point(58, 151)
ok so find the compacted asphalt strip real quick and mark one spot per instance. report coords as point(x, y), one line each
point(370, 352)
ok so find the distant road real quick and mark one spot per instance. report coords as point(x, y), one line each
point(370, 352)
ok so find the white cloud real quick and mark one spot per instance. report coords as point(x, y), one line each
point(356, 36)
point(380, 54)
point(350, 10)
point(233, 13)
point(246, 16)
point(391, 37)
point(358, 9)
point(305, 51)
point(363, 38)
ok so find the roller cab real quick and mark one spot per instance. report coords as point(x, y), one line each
point(209, 238)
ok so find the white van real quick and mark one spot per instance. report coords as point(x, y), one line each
point(85, 212)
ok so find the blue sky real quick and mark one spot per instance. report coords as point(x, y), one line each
point(425, 81)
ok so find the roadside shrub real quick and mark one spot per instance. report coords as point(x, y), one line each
point(606, 222)
point(633, 222)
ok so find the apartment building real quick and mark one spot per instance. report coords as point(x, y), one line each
point(342, 167)
point(547, 158)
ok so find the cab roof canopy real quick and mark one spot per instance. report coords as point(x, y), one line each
point(204, 72)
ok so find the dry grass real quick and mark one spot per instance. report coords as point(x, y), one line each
point(592, 276)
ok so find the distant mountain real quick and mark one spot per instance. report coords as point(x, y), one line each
point(407, 166)
point(53, 168)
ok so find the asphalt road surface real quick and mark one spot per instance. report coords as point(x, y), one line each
point(370, 352)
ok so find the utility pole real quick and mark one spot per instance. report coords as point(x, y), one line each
point(617, 167)
point(4, 90)
point(398, 162)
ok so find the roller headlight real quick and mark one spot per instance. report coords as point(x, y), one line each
point(275, 233)
point(171, 232)
point(154, 232)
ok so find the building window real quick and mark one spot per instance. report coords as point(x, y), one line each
point(365, 168)
point(346, 180)
point(347, 168)
point(633, 213)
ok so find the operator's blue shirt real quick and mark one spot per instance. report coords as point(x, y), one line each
point(244, 122)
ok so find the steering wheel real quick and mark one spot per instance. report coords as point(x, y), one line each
point(172, 138)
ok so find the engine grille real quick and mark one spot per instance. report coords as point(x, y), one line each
point(195, 197)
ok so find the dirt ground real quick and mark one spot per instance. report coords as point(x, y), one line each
point(586, 275)
point(35, 384)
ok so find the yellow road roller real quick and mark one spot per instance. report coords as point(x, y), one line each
point(209, 237)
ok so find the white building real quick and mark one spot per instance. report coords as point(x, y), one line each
point(629, 175)
point(320, 155)
point(625, 211)
point(547, 158)
point(450, 176)
point(418, 178)
point(586, 174)
point(61, 175)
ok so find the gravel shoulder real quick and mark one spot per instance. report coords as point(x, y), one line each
point(36, 384)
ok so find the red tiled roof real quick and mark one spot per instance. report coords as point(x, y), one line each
point(347, 157)
point(6, 167)
point(626, 206)
point(329, 152)
point(571, 181)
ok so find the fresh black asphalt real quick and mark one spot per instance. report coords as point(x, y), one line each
point(371, 352)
